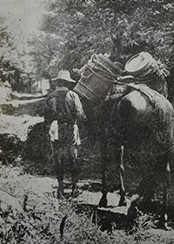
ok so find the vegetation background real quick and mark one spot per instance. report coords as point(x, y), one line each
point(70, 32)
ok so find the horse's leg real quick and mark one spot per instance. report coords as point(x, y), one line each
point(122, 201)
point(103, 200)
point(103, 151)
point(166, 186)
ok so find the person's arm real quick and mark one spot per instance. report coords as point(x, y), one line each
point(74, 106)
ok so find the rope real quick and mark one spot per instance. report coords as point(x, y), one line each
point(99, 57)
point(147, 80)
point(150, 97)
point(134, 86)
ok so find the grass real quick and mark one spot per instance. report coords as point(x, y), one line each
point(40, 223)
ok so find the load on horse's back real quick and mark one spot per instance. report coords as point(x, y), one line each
point(96, 81)
point(146, 70)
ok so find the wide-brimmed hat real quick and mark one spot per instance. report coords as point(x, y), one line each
point(64, 75)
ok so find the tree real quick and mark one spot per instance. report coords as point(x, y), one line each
point(10, 70)
point(74, 30)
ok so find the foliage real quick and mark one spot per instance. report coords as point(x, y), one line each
point(14, 77)
point(73, 30)
point(5, 38)
point(10, 148)
point(11, 71)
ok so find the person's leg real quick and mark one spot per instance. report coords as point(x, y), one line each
point(74, 167)
point(59, 168)
point(71, 141)
point(74, 155)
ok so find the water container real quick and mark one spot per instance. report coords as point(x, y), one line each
point(146, 70)
point(142, 65)
point(96, 79)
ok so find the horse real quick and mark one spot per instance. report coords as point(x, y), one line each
point(137, 127)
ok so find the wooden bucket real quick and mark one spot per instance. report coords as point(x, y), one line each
point(146, 70)
point(96, 79)
point(143, 66)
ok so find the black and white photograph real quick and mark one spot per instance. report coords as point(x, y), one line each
point(86, 121)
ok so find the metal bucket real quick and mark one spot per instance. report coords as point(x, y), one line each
point(96, 79)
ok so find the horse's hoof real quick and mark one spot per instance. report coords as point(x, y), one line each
point(75, 193)
point(165, 227)
point(122, 203)
point(163, 223)
point(103, 203)
point(168, 228)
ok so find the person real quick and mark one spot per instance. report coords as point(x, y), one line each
point(63, 117)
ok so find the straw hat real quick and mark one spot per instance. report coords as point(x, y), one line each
point(64, 75)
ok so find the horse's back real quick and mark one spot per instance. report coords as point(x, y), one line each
point(147, 108)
